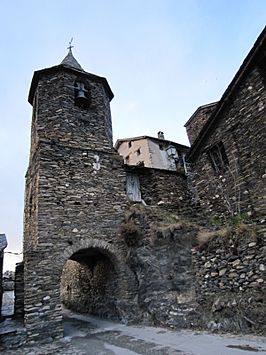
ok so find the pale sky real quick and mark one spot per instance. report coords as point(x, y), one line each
point(162, 59)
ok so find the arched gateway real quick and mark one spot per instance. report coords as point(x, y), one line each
point(91, 279)
point(75, 201)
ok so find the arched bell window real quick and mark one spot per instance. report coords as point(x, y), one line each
point(82, 94)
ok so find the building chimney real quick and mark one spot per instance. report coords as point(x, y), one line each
point(160, 135)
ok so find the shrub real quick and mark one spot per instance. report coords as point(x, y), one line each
point(130, 231)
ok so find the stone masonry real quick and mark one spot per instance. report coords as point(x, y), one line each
point(3, 245)
point(164, 260)
point(228, 156)
point(80, 245)
point(230, 278)
point(197, 121)
point(19, 291)
point(75, 194)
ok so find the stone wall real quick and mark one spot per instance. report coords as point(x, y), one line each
point(75, 197)
point(159, 254)
point(240, 186)
point(230, 269)
point(198, 120)
point(165, 188)
point(62, 121)
point(1, 279)
point(85, 245)
point(19, 291)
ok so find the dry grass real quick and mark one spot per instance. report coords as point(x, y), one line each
point(237, 235)
point(129, 228)
point(204, 237)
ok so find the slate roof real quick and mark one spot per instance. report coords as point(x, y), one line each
point(120, 141)
point(3, 242)
point(199, 109)
point(71, 62)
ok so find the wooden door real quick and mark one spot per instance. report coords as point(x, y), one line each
point(133, 187)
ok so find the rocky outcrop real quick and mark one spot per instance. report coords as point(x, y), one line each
point(159, 254)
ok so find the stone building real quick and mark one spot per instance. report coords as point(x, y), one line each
point(75, 199)
point(151, 152)
point(198, 119)
point(228, 139)
point(79, 230)
point(156, 170)
point(227, 178)
point(3, 245)
point(89, 246)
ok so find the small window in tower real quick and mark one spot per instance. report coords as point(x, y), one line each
point(82, 95)
point(129, 144)
point(138, 151)
point(218, 157)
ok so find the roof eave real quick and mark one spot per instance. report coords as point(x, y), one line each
point(120, 141)
point(38, 74)
point(199, 109)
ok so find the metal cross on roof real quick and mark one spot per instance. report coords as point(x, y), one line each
point(70, 46)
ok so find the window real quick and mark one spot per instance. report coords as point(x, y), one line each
point(218, 157)
point(138, 151)
point(129, 144)
point(127, 159)
point(262, 69)
point(140, 164)
point(161, 146)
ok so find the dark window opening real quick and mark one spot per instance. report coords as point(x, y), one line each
point(218, 157)
point(138, 151)
point(82, 95)
point(30, 204)
point(129, 144)
point(127, 159)
point(262, 69)
point(161, 146)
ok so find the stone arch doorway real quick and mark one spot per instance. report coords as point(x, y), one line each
point(96, 280)
point(46, 271)
point(90, 283)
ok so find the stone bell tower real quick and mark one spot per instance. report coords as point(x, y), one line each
point(75, 191)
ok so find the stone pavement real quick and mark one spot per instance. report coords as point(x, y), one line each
point(90, 335)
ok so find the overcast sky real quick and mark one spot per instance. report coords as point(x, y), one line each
point(162, 59)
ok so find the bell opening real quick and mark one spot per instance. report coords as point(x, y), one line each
point(82, 97)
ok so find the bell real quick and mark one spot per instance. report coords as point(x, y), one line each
point(81, 99)
point(81, 95)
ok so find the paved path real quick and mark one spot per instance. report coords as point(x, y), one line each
point(94, 336)
point(87, 335)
